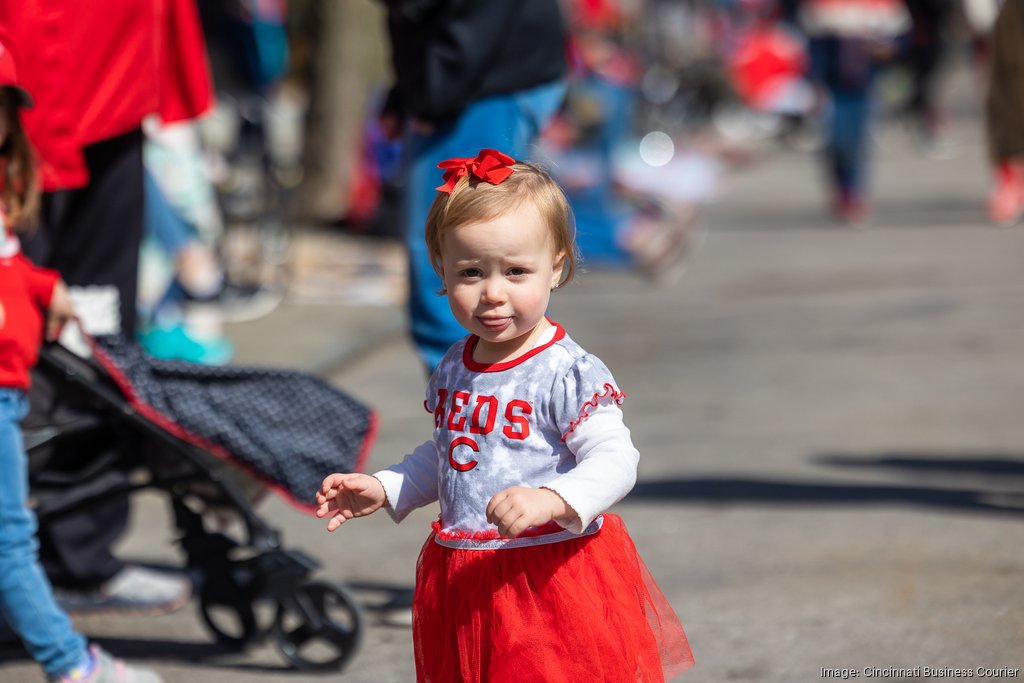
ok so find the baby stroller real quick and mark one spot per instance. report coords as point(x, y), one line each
point(214, 439)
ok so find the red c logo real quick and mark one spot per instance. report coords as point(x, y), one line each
point(462, 441)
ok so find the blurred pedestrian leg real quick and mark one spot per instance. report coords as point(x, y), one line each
point(181, 316)
point(923, 57)
point(1004, 107)
point(848, 40)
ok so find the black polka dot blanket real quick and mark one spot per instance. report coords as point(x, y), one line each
point(286, 428)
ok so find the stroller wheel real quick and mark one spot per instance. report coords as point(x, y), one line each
point(317, 627)
point(229, 616)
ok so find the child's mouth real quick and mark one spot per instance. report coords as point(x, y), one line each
point(495, 324)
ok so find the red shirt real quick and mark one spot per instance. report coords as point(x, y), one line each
point(25, 292)
point(96, 68)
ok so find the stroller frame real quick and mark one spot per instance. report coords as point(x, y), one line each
point(316, 624)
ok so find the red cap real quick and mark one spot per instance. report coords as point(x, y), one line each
point(9, 75)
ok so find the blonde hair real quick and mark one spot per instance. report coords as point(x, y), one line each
point(474, 201)
point(20, 186)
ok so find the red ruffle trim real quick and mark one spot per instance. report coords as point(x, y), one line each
point(492, 534)
point(607, 392)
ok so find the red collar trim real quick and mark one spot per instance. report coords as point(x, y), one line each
point(467, 353)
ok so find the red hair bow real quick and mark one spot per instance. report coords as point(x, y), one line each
point(489, 165)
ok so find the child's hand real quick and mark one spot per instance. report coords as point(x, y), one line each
point(518, 508)
point(344, 496)
point(59, 312)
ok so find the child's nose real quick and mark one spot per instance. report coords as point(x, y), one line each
point(494, 291)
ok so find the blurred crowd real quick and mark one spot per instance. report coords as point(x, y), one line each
point(659, 93)
point(662, 95)
point(657, 98)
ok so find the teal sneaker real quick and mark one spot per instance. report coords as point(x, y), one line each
point(175, 343)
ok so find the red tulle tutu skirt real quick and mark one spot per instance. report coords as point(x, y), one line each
point(584, 609)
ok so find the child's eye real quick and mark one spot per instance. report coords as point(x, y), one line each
point(470, 272)
point(517, 272)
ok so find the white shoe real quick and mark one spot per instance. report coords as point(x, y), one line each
point(134, 590)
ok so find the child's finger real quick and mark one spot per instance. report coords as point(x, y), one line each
point(336, 521)
point(331, 482)
point(496, 502)
point(510, 526)
point(500, 520)
point(492, 515)
point(354, 483)
point(323, 498)
point(504, 512)
point(329, 506)
point(521, 524)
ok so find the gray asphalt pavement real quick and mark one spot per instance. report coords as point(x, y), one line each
point(830, 425)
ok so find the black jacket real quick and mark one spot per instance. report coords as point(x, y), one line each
point(448, 53)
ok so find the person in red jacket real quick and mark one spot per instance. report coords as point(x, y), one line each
point(33, 302)
point(96, 69)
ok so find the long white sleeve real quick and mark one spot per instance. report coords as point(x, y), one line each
point(411, 483)
point(606, 464)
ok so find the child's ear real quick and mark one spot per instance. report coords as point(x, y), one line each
point(557, 269)
point(440, 273)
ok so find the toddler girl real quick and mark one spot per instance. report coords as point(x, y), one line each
point(523, 578)
point(26, 293)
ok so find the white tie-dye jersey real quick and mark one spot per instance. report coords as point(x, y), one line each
point(506, 424)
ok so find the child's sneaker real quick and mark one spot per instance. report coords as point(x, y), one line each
point(106, 669)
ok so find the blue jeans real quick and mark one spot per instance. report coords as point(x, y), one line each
point(163, 223)
point(171, 233)
point(26, 600)
point(847, 70)
point(509, 123)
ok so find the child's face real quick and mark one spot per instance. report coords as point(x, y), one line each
point(499, 275)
